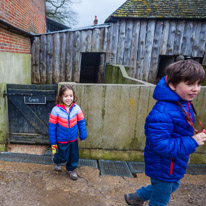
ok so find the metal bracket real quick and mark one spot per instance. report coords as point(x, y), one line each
point(16, 94)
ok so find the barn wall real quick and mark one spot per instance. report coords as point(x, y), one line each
point(136, 43)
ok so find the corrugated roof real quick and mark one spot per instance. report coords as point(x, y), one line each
point(180, 9)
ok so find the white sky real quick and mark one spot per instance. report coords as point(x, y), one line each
point(88, 9)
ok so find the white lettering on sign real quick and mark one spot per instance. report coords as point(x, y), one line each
point(34, 100)
point(31, 100)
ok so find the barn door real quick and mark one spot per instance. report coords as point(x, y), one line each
point(29, 107)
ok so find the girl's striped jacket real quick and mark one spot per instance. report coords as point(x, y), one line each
point(64, 126)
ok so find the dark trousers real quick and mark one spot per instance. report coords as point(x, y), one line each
point(69, 153)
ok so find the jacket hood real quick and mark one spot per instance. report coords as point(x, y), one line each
point(163, 93)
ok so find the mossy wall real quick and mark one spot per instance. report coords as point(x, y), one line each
point(3, 119)
point(15, 68)
point(115, 116)
point(117, 74)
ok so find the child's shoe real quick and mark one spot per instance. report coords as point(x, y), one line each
point(57, 167)
point(133, 199)
point(72, 175)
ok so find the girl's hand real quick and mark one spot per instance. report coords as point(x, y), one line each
point(81, 140)
point(54, 147)
point(200, 138)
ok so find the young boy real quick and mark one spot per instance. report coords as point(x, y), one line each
point(169, 136)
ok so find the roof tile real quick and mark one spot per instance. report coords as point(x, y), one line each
point(180, 9)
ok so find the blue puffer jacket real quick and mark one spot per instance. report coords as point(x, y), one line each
point(64, 127)
point(168, 136)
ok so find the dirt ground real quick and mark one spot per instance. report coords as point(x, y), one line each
point(27, 184)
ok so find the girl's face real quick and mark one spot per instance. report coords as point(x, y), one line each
point(68, 97)
point(186, 90)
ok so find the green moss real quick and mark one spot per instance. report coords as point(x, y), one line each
point(3, 147)
point(198, 158)
point(111, 155)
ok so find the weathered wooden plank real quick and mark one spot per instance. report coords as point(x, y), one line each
point(100, 74)
point(186, 38)
point(202, 40)
point(33, 50)
point(121, 42)
point(83, 36)
point(105, 39)
point(155, 52)
point(56, 52)
point(115, 35)
point(179, 37)
point(163, 45)
point(76, 57)
point(204, 58)
point(42, 66)
point(134, 48)
point(88, 41)
point(95, 40)
point(148, 49)
point(171, 38)
point(109, 44)
point(190, 39)
point(128, 39)
point(101, 40)
point(36, 73)
point(69, 52)
point(62, 57)
point(49, 59)
point(141, 49)
point(196, 39)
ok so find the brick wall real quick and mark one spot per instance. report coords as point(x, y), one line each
point(28, 15)
point(13, 42)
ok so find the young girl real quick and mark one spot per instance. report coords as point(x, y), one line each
point(65, 121)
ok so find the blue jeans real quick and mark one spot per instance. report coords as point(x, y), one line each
point(158, 192)
point(69, 153)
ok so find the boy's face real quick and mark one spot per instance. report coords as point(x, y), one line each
point(185, 90)
point(68, 97)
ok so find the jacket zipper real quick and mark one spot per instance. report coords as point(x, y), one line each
point(171, 165)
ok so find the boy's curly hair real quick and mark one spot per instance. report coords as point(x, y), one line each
point(185, 71)
point(62, 89)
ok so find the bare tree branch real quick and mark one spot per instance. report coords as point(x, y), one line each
point(62, 11)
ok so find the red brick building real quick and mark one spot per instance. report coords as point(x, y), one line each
point(19, 19)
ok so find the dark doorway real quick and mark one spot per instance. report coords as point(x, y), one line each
point(164, 61)
point(92, 68)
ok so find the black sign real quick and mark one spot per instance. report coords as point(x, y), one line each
point(34, 100)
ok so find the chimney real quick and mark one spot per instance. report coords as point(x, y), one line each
point(95, 20)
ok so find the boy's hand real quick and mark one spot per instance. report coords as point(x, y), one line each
point(200, 138)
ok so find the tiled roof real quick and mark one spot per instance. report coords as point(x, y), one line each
point(181, 9)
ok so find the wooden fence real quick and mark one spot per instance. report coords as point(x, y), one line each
point(56, 57)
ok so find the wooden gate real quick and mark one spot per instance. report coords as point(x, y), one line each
point(29, 107)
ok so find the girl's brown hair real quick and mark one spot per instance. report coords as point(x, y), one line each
point(62, 89)
point(185, 71)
